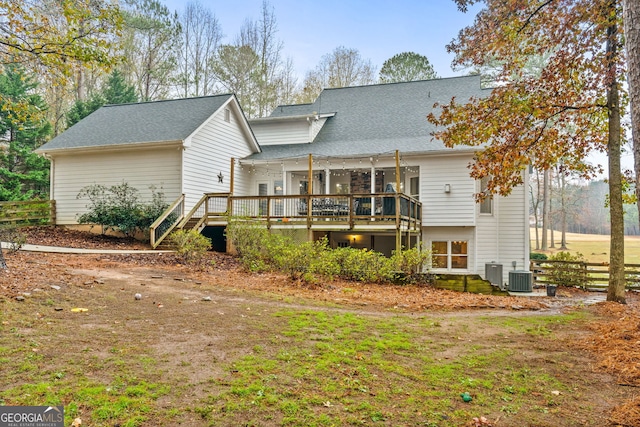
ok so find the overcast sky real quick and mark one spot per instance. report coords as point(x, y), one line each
point(378, 29)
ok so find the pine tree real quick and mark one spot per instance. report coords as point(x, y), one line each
point(23, 128)
point(115, 91)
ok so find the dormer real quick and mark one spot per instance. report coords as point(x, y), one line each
point(298, 129)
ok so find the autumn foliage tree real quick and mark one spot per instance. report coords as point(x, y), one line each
point(569, 109)
point(57, 35)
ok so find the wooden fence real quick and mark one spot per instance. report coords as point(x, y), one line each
point(30, 212)
point(581, 274)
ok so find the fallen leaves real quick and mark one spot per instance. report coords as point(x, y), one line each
point(615, 343)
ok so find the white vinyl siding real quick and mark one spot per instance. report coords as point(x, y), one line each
point(502, 237)
point(138, 168)
point(316, 127)
point(209, 155)
point(455, 208)
point(297, 132)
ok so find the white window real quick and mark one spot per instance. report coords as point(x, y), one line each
point(450, 254)
point(486, 205)
point(227, 115)
point(414, 187)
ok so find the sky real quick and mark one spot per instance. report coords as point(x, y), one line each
point(378, 29)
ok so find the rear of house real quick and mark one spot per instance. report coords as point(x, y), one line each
point(359, 165)
point(177, 147)
point(351, 136)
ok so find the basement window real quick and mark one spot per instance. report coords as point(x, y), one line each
point(450, 255)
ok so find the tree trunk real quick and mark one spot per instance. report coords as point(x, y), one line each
point(545, 210)
point(632, 42)
point(616, 291)
point(3, 262)
point(563, 212)
point(552, 243)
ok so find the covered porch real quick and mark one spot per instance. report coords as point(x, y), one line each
point(398, 215)
point(362, 201)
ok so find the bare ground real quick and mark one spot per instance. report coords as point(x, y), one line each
point(195, 320)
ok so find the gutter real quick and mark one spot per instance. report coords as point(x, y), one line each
point(103, 148)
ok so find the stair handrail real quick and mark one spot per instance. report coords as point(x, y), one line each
point(203, 200)
point(177, 208)
point(193, 211)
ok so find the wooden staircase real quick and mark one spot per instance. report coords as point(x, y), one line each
point(174, 219)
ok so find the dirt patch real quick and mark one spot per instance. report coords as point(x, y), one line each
point(196, 321)
point(68, 238)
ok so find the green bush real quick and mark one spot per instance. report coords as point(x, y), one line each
point(259, 250)
point(118, 208)
point(252, 241)
point(190, 245)
point(570, 271)
point(360, 265)
point(537, 256)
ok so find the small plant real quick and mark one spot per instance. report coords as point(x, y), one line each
point(569, 271)
point(190, 245)
point(13, 236)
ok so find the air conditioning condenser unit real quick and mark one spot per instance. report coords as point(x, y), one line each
point(520, 281)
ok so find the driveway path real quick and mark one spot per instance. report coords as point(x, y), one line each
point(59, 250)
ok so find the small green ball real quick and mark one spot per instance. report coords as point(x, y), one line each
point(466, 397)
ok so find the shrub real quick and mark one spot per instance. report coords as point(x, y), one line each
point(13, 236)
point(252, 242)
point(190, 245)
point(410, 264)
point(569, 272)
point(118, 208)
point(259, 250)
point(537, 256)
point(412, 261)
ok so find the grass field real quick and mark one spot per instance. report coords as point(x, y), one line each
point(594, 247)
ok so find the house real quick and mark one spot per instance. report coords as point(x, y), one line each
point(359, 165)
point(352, 137)
point(181, 146)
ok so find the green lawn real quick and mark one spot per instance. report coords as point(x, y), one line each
point(595, 248)
point(244, 360)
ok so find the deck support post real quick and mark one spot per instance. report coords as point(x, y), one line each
point(398, 232)
point(232, 173)
point(309, 197)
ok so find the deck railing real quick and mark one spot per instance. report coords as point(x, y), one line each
point(385, 210)
point(326, 209)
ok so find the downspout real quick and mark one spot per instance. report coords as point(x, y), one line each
point(527, 232)
point(309, 198)
point(52, 174)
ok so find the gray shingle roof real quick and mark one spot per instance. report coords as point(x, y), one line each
point(293, 110)
point(376, 119)
point(146, 122)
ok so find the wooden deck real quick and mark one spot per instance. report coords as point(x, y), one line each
point(390, 212)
